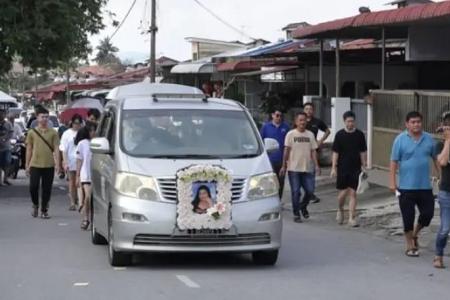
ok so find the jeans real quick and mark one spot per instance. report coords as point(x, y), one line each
point(45, 175)
point(276, 166)
point(298, 180)
point(444, 230)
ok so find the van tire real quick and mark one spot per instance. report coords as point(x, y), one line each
point(265, 258)
point(96, 238)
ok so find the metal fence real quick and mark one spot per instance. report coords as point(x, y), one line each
point(390, 109)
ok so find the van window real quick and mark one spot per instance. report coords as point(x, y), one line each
point(189, 133)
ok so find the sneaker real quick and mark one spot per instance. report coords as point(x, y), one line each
point(353, 223)
point(305, 213)
point(315, 199)
point(73, 207)
point(298, 219)
point(340, 217)
point(45, 215)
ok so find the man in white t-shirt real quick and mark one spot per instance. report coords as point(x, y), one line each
point(69, 152)
point(300, 161)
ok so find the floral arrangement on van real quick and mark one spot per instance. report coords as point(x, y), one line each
point(204, 197)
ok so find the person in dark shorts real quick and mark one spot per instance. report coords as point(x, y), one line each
point(314, 124)
point(411, 154)
point(349, 159)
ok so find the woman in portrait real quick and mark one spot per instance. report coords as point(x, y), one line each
point(202, 200)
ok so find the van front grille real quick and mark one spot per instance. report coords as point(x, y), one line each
point(168, 187)
point(202, 240)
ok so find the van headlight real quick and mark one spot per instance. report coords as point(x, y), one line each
point(136, 186)
point(263, 186)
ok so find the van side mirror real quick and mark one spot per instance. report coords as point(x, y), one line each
point(101, 146)
point(271, 145)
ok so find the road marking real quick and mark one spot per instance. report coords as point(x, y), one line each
point(78, 284)
point(62, 224)
point(119, 268)
point(61, 188)
point(187, 281)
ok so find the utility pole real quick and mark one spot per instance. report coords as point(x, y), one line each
point(153, 30)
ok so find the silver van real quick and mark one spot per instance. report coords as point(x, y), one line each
point(147, 134)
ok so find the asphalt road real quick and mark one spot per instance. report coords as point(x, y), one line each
point(54, 259)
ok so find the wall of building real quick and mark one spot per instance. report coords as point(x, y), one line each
point(397, 77)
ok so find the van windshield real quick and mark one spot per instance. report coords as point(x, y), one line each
point(200, 134)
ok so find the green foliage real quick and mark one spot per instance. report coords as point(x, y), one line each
point(46, 33)
point(106, 53)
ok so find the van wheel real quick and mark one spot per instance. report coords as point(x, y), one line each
point(116, 258)
point(265, 258)
point(96, 238)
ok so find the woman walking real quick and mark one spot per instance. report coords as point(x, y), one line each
point(69, 154)
point(83, 141)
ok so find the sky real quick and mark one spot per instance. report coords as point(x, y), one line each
point(178, 19)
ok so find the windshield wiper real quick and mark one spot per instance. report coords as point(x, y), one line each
point(242, 156)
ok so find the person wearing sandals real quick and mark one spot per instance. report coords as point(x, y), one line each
point(411, 154)
point(84, 155)
point(444, 192)
point(69, 153)
point(42, 157)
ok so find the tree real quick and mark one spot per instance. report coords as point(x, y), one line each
point(106, 53)
point(47, 33)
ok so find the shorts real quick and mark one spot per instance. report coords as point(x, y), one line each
point(85, 183)
point(5, 158)
point(347, 180)
point(408, 200)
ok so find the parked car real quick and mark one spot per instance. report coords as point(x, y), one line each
point(148, 133)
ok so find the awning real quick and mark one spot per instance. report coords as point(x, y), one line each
point(367, 25)
point(6, 98)
point(266, 70)
point(242, 65)
point(194, 68)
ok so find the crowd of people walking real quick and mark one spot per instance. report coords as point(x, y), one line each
point(67, 153)
point(412, 152)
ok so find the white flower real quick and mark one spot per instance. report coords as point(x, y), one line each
point(220, 207)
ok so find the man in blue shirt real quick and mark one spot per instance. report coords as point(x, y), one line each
point(276, 129)
point(411, 154)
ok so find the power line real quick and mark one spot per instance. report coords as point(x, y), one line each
point(222, 20)
point(124, 19)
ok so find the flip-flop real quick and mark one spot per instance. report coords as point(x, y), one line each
point(437, 263)
point(85, 225)
point(412, 253)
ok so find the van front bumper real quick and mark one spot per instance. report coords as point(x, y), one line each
point(157, 230)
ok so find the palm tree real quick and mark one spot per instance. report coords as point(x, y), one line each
point(106, 52)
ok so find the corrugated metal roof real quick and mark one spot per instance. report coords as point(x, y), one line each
point(400, 16)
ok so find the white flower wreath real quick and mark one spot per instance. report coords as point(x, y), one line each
point(187, 218)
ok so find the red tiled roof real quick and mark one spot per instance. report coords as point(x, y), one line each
point(400, 16)
point(241, 66)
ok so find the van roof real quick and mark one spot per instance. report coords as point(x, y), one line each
point(167, 96)
point(148, 89)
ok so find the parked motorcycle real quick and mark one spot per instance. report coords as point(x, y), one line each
point(17, 158)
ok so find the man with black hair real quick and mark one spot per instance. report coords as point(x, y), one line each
point(412, 152)
point(300, 161)
point(42, 161)
point(314, 124)
point(93, 116)
point(276, 129)
point(349, 159)
point(33, 122)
